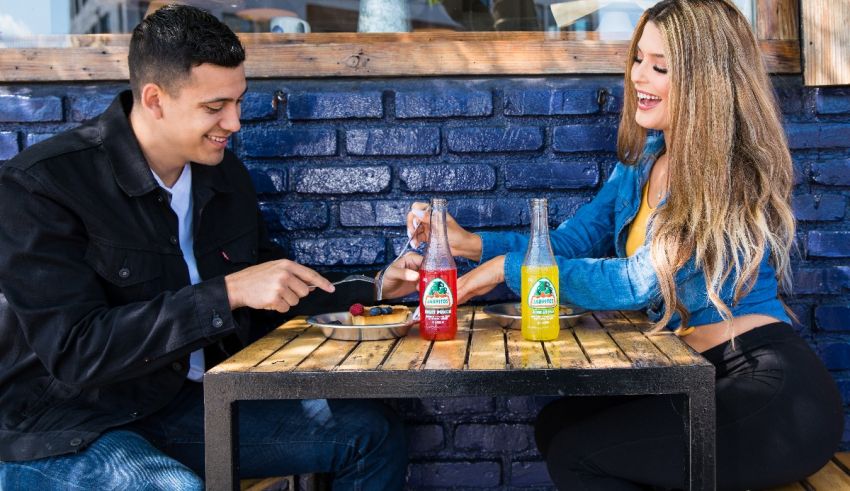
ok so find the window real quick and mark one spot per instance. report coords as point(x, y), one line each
point(317, 38)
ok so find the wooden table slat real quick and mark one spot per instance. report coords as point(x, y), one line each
point(523, 354)
point(367, 356)
point(409, 352)
point(487, 346)
point(640, 350)
point(262, 348)
point(327, 356)
point(678, 352)
point(600, 348)
point(293, 353)
point(451, 355)
point(565, 351)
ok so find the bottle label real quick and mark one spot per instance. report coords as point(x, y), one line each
point(543, 299)
point(438, 295)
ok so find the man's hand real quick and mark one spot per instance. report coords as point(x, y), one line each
point(481, 279)
point(402, 276)
point(274, 285)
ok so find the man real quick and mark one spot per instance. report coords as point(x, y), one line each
point(133, 256)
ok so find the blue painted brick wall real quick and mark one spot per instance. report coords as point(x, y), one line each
point(337, 162)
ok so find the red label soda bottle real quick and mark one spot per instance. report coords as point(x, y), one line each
point(438, 281)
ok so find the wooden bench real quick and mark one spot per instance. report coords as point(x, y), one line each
point(834, 476)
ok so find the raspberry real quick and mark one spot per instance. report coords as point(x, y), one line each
point(356, 309)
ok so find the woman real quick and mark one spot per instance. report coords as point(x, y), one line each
point(700, 220)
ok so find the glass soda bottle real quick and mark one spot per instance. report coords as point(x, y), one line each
point(438, 281)
point(540, 306)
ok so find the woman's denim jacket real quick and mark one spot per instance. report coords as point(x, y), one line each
point(591, 280)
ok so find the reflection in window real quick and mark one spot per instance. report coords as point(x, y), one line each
point(25, 23)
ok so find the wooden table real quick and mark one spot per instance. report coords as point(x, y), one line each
point(606, 353)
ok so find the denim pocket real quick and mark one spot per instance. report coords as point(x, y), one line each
point(129, 274)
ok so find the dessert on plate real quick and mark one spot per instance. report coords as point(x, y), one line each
point(379, 314)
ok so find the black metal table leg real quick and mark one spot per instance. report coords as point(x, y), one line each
point(221, 421)
point(700, 427)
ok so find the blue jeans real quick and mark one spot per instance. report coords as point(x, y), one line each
point(362, 443)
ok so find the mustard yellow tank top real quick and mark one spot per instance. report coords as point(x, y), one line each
point(637, 230)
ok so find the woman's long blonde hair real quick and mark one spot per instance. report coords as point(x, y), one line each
point(729, 166)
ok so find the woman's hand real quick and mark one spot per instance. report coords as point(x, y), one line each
point(481, 279)
point(402, 276)
point(461, 242)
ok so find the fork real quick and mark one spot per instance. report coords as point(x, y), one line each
point(351, 277)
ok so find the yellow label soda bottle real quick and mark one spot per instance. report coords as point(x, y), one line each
point(540, 305)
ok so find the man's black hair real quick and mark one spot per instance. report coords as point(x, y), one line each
point(169, 42)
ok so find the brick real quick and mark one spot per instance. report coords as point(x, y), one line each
point(526, 407)
point(373, 213)
point(833, 318)
point(334, 105)
point(827, 280)
point(802, 135)
point(457, 405)
point(490, 212)
point(30, 109)
point(393, 141)
point(8, 144)
point(295, 216)
point(614, 99)
point(585, 138)
point(258, 106)
point(509, 139)
point(547, 102)
point(448, 178)
point(835, 354)
point(342, 180)
point(443, 103)
point(425, 439)
point(832, 173)
point(526, 474)
point(268, 142)
point(819, 207)
point(834, 135)
point(803, 324)
point(88, 106)
point(556, 175)
point(818, 135)
point(33, 138)
point(510, 438)
point(844, 389)
point(790, 99)
point(828, 244)
point(267, 179)
point(833, 101)
point(347, 251)
point(454, 474)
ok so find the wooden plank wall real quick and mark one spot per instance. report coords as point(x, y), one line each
point(826, 42)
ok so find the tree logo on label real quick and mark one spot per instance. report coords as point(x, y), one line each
point(543, 295)
point(438, 295)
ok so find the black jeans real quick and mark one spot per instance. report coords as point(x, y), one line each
point(779, 419)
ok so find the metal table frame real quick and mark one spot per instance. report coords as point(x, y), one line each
point(223, 390)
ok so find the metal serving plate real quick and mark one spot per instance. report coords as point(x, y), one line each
point(509, 315)
point(347, 332)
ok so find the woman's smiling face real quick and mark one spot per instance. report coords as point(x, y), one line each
point(651, 81)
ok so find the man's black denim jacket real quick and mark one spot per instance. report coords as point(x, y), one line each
point(101, 315)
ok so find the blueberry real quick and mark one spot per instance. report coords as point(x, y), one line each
point(388, 310)
point(375, 311)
